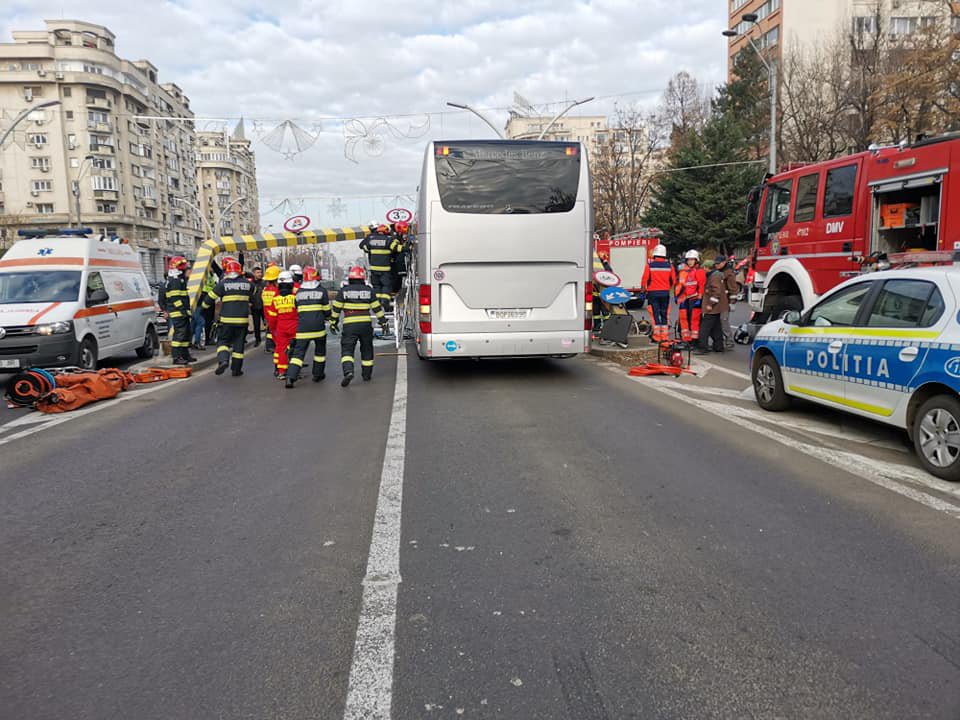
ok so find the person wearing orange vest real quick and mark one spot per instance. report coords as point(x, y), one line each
point(285, 307)
point(659, 278)
point(690, 287)
point(269, 292)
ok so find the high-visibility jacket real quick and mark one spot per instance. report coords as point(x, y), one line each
point(380, 250)
point(659, 276)
point(285, 307)
point(269, 292)
point(174, 299)
point(355, 302)
point(234, 293)
point(313, 308)
point(691, 283)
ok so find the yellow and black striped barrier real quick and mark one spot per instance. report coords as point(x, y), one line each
point(242, 243)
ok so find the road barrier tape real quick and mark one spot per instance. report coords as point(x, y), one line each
point(241, 243)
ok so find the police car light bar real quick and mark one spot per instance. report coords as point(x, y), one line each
point(71, 232)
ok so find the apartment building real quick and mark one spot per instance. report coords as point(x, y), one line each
point(227, 182)
point(592, 130)
point(114, 151)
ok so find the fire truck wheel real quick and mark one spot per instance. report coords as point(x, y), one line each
point(936, 436)
point(768, 385)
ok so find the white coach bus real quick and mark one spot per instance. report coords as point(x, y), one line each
point(502, 257)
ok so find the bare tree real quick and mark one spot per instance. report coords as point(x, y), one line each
point(684, 106)
point(624, 167)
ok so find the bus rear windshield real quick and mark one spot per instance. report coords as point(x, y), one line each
point(504, 178)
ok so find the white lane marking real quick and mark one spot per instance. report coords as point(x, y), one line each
point(30, 418)
point(701, 367)
point(370, 692)
point(886, 475)
point(96, 407)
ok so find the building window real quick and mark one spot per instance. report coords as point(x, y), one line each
point(95, 94)
point(106, 207)
point(103, 163)
point(37, 138)
point(135, 170)
point(900, 26)
point(44, 208)
point(67, 92)
point(104, 182)
point(95, 117)
point(41, 185)
point(69, 114)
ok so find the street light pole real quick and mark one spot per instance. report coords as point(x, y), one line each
point(19, 118)
point(479, 115)
point(772, 81)
point(563, 112)
point(76, 186)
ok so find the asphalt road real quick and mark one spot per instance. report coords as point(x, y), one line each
point(572, 544)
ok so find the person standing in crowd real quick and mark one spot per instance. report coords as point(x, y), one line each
point(266, 298)
point(313, 308)
point(355, 301)
point(209, 313)
point(715, 303)
point(233, 292)
point(285, 327)
point(733, 291)
point(690, 284)
point(256, 305)
point(174, 301)
point(659, 278)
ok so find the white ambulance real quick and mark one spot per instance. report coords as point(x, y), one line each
point(71, 299)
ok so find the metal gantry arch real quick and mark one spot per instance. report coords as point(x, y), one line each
point(247, 243)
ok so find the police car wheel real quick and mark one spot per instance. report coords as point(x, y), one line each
point(936, 436)
point(768, 385)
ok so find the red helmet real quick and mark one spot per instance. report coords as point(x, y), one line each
point(178, 262)
point(232, 267)
point(402, 227)
point(357, 273)
point(310, 273)
point(383, 229)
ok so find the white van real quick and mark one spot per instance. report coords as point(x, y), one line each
point(71, 299)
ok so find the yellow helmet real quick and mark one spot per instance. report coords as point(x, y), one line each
point(271, 274)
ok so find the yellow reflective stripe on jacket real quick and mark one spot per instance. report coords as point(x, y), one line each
point(235, 298)
point(357, 319)
point(377, 251)
point(356, 306)
point(233, 320)
point(313, 308)
point(311, 335)
point(380, 268)
point(175, 293)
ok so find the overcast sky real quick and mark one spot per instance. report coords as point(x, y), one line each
point(364, 59)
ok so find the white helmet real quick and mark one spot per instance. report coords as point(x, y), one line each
point(660, 251)
point(296, 270)
point(285, 277)
point(692, 255)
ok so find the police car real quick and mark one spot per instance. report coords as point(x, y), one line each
point(885, 346)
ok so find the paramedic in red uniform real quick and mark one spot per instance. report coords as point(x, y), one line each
point(690, 297)
point(285, 309)
point(659, 278)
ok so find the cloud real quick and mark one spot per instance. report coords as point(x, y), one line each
point(312, 59)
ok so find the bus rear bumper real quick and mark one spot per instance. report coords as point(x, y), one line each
point(514, 344)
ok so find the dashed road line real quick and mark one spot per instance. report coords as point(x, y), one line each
point(370, 690)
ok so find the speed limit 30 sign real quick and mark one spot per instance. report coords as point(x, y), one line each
point(399, 215)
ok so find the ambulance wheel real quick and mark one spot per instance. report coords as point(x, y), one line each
point(87, 354)
point(150, 344)
point(936, 436)
point(768, 385)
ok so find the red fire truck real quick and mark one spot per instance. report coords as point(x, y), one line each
point(820, 223)
point(627, 254)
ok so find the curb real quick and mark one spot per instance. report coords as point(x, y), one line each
point(626, 357)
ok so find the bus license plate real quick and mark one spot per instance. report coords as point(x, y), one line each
point(9, 364)
point(508, 314)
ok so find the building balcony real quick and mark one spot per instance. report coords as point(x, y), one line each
point(103, 149)
point(99, 103)
point(149, 202)
point(99, 127)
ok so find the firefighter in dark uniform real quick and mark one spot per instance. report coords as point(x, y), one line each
point(355, 302)
point(175, 304)
point(380, 247)
point(313, 309)
point(235, 293)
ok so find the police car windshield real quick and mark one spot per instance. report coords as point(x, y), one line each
point(39, 287)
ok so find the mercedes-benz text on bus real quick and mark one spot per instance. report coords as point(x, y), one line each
point(503, 250)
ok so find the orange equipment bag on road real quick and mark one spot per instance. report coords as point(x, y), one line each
point(157, 374)
point(74, 390)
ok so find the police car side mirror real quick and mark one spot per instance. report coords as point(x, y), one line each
point(791, 317)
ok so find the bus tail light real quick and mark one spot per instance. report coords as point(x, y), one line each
point(426, 323)
point(588, 306)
